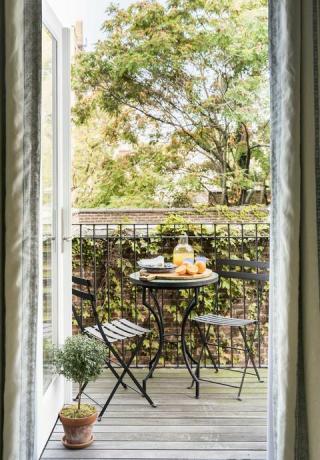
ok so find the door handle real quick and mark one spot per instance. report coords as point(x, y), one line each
point(48, 238)
point(67, 238)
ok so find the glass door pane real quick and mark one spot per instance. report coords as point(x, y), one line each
point(54, 313)
point(49, 145)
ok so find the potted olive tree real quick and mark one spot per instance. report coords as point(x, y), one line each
point(80, 359)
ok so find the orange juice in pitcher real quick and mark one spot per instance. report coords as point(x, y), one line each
point(183, 251)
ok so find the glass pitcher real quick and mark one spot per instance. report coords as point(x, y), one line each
point(183, 251)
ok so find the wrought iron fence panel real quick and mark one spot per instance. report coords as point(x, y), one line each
point(108, 253)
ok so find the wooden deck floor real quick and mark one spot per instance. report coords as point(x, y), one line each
point(215, 427)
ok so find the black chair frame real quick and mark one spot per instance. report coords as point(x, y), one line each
point(261, 277)
point(120, 362)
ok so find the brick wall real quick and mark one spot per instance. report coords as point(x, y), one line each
point(157, 216)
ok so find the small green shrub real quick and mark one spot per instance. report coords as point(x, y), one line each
point(80, 359)
point(73, 411)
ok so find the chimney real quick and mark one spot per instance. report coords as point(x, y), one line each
point(78, 35)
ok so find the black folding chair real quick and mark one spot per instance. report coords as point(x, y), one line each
point(212, 320)
point(109, 333)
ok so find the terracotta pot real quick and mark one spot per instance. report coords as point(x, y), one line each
point(78, 431)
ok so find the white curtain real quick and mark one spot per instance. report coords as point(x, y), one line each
point(294, 412)
point(22, 38)
point(2, 216)
point(294, 401)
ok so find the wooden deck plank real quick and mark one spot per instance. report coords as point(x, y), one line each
point(155, 436)
point(181, 421)
point(170, 445)
point(155, 454)
point(143, 430)
point(215, 427)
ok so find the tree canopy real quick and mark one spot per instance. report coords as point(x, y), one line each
point(185, 84)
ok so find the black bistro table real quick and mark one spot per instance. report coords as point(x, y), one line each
point(152, 288)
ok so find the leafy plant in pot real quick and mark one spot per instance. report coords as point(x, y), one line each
point(81, 360)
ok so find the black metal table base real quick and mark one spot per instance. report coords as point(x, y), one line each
point(155, 309)
point(158, 315)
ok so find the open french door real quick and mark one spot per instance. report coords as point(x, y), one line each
point(55, 248)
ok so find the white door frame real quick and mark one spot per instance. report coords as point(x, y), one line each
point(59, 391)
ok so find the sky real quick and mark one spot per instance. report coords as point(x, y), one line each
point(91, 12)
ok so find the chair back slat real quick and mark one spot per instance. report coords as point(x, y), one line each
point(245, 276)
point(83, 295)
point(243, 263)
point(259, 276)
point(87, 295)
point(81, 290)
point(81, 281)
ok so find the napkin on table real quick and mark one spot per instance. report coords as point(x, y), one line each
point(156, 262)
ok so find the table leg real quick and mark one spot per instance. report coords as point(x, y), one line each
point(157, 313)
point(185, 344)
point(188, 359)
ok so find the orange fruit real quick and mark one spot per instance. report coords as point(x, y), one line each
point(181, 270)
point(192, 269)
point(201, 266)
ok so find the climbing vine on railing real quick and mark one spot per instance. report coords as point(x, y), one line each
point(107, 254)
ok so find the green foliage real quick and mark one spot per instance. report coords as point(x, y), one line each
point(241, 214)
point(80, 359)
point(116, 257)
point(103, 178)
point(185, 84)
point(73, 411)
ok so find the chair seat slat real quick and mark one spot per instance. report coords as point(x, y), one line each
point(135, 326)
point(113, 328)
point(224, 321)
point(110, 334)
point(96, 334)
point(126, 328)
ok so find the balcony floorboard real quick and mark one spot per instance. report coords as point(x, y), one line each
point(215, 427)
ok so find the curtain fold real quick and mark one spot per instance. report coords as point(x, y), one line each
point(294, 409)
point(294, 374)
point(2, 216)
point(23, 90)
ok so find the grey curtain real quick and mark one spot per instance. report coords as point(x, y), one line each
point(294, 402)
point(2, 217)
point(21, 35)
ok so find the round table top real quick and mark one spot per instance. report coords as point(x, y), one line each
point(174, 284)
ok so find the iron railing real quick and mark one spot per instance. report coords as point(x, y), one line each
point(108, 253)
